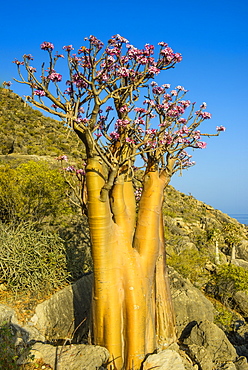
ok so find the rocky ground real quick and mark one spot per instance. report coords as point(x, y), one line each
point(56, 333)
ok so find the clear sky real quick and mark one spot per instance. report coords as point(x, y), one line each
point(212, 36)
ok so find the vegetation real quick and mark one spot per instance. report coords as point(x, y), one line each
point(27, 131)
point(31, 260)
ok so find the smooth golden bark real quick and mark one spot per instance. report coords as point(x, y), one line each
point(129, 315)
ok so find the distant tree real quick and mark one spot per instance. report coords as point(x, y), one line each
point(132, 308)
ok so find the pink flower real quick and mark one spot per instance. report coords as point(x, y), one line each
point(55, 77)
point(109, 108)
point(203, 105)
point(153, 70)
point(129, 140)
point(28, 56)
point(17, 62)
point(39, 93)
point(31, 69)
point(114, 135)
point(47, 46)
point(68, 47)
point(162, 43)
point(7, 83)
point(220, 128)
point(97, 135)
point(62, 158)
point(203, 115)
point(123, 72)
point(201, 144)
point(122, 122)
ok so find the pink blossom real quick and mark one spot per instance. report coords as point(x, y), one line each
point(158, 90)
point(124, 109)
point(166, 86)
point(201, 144)
point(120, 38)
point(180, 88)
point(114, 135)
point(153, 70)
point(123, 72)
point(31, 69)
point(55, 77)
point(122, 122)
point(203, 115)
point(162, 43)
point(178, 57)
point(39, 93)
point(68, 47)
point(203, 105)
point(182, 120)
point(97, 135)
point(140, 110)
point(62, 158)
point(139, 121)
point(109, 108)
point(17, 62)
point(129, 140)
point(173, 92)
point(47, 46)
point(220, 128)
point(80, 171)
point(28, 56)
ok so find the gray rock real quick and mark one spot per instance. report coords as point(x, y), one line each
point(66, 312)
point(72, 357)
point(242, 250)
point(164, 360)
point(241, 301)
point(190, 304)
point(209, 343)
point(7, 315)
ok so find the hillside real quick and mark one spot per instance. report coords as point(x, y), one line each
point(25, 130)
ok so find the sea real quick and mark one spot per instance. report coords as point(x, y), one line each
point(240, 217)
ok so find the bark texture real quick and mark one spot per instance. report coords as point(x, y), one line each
point(132, 307)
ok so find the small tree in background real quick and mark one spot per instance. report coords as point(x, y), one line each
point(125, 122)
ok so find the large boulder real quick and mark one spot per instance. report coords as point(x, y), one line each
point(209, 346)
point(66, 315)
point(242, 250)
point(241, 300)
point(190, 304)
point(71, 357)
point(164, 360)
point(7, 315)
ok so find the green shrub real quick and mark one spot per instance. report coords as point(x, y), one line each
point(8, 351)
point(34, 192)
point(31, 260)
point(189, 263)
point(227, 281)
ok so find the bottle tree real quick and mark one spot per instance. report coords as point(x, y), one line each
point(125, 120)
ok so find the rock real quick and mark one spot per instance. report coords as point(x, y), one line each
point(67, 313)
point(242, 250)
point(207, 342)
point(190, 304)
point(72, 357)
point(240, 263)
point(241, 301)
point(7, 315)
point(241, 364)
point(164, 360)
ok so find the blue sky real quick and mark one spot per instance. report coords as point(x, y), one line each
point(212, 36)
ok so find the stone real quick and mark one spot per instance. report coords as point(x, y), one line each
point(71, 357)
point(66, 315)
point(241, 301)
point(242, 250)
point(209, 343)
point(190, 304)
point(164, 360)
point(241, 363)
point(7, 315)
